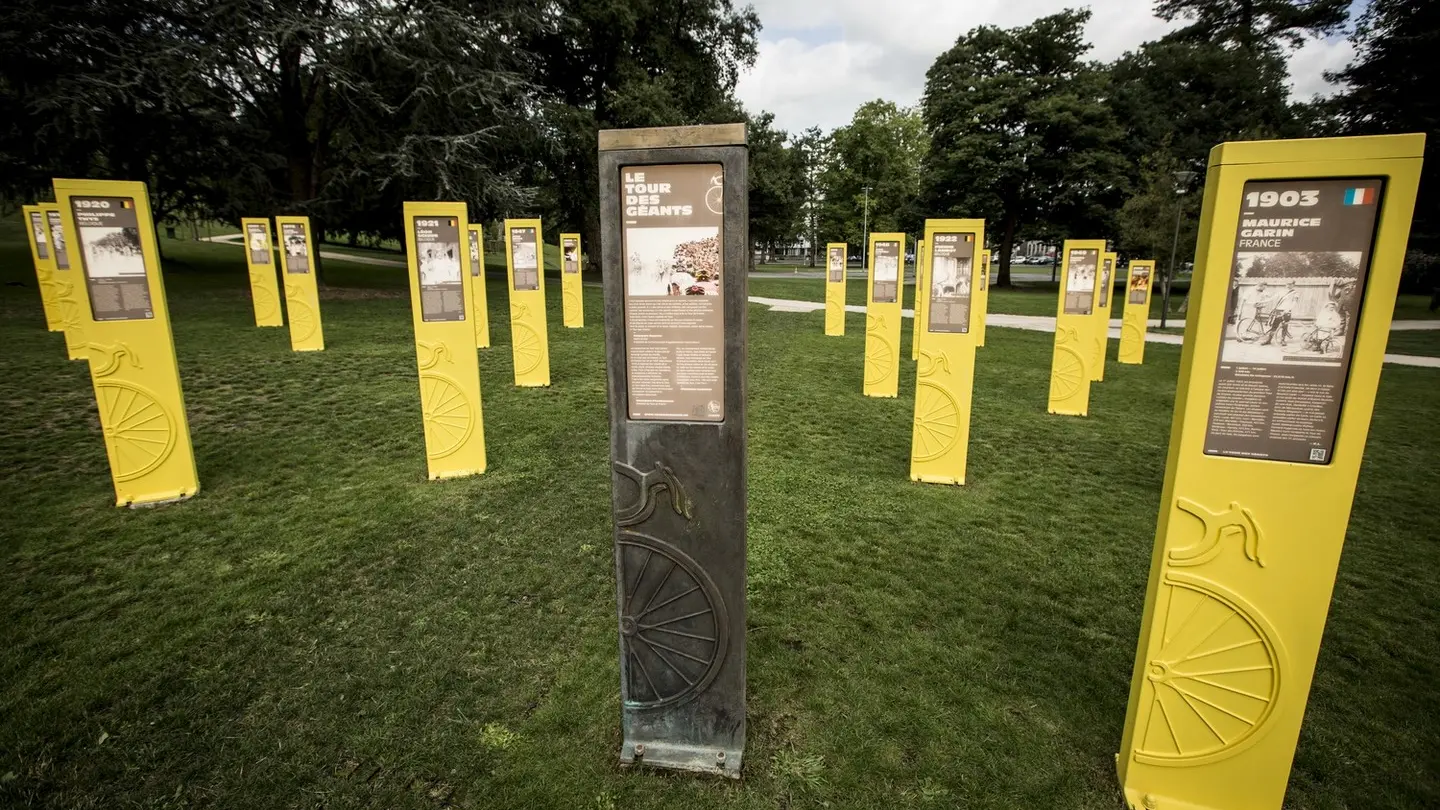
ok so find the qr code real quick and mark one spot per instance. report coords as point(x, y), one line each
point(1317, 454)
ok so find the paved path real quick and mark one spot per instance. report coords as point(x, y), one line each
point(1045, 323)
point(236, 239)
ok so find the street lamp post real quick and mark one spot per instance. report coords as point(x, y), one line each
point(865, 227)
point(1182, 185)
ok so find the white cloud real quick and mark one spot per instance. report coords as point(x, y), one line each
point(820, 59)
point(1309, 63)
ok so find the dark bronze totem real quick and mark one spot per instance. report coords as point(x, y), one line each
point(672, 200)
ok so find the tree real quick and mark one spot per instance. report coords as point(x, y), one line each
point(1255, 25)
point(776, 185)
point(812, 148)
point(1020, 133)
point(880, 149)
point(1396, 42)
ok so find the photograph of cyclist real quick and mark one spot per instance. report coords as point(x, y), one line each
point(1291, 306)
point(1281, 313)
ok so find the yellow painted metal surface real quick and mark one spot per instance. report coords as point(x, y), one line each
point(882, 317)
point(1139, 279)
point(982, 298)
point(529, 342)
point(479, 299)
point(572, 296)
point(1075, 324)
point(945, 372)
point(917, 306)
point(37, 232)
point(441, 305)
point(837, 264)
point(1104, 291)
point(1246, 548)
point(302, 292)
point(260, 263)
point(126, 322)
point(67, 292)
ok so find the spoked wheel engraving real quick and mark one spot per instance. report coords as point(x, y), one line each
point(879, 359)
point(673, 628)
point(303, 321)
point(572, 302)
point(1130, 339)
point(937, 422)
point(1215, 678)
point(138, 431)
point(714, 200)
point(267, 305)
point(835, 311)
point(448, 417)
point(528, 349)
point(1099, 353)
point(1067, 375)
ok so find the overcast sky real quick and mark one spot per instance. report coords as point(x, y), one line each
point(820, 59)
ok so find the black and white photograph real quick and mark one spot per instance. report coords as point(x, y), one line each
point(39, 230)
point(1080, 281)
point(837, 265)
point(525, 254)
point(1291, 307)
point(259, 244)
point(295, 242)
point(112, 252)
point(673, 261)
point(950, 276)
point(570, 256)
point(887, 263)
point(439, 263)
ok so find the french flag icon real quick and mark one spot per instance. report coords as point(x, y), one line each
point(1360, 196)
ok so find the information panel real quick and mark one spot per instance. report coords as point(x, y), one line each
point(529, 336)
point(1302, 257)
point(1136, 318)
point(1246, 549)
point(479, 296)
point(115, 277)
point(674, 293)
point(836, 261)
point(440, 284)
point(980, 299)
point(302, 295)
point(260, 263)
point(572, 290)
point(437, 258)
point(886, 275)
point(1101, 335)
point(945, 371)
point(71, 307)
point(132, 365)
point(1075, 328)
point(920, 304)
point(38, 236)
point(882, 316)
point(952, 271)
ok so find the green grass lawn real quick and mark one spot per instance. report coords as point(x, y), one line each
point(321, 627)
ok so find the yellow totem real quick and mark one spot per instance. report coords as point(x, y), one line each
point(1137, 312)
point(302, 293)
point(260, 262)
point(126, 323)
point(525, 266)
point(479, 301)
point(982, 298)
point(836, 264)
point(37, 233)
point(441, 305)
point(917, 306)
point(882, 314)
point(1075, 325)
point(1272, 412)
point(572, 297)
point(1105, 288)
point(945, 373)
point(67, 290)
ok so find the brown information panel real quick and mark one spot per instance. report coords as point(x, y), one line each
point(984, 272)
point(1080, 282)
point(114, 264)
point(297, 254)
point(1139, 284)
point(437, 252)
point(1302, 255)
point(674, 313)
point(525, 258)
point(476, 260)
point(42, 244)
point(887, 273)
point(570, 255)
point(57, 240)
point(952, 266)
point(837, 264)
point(258, 242)
point(1107, 279)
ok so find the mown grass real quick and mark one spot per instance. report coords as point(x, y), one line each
point(323, 628)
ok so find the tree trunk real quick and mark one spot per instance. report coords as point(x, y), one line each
point(1007, 240)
